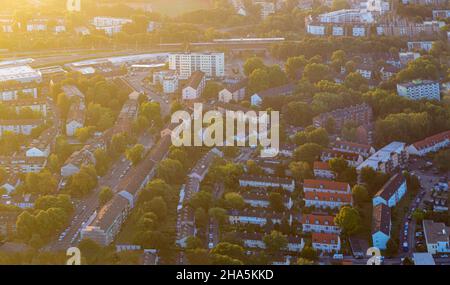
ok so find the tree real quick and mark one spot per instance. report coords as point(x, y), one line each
point(316, 72)
point(193, 242)
point(83, 134)
point(251, 64)
point(119, 143)
point(198, 256)
point(102, 161)
point(304, 261)
point(418, 215)
point(308, 152)
point(228, 249)
point(158, 206)
point(201, 218)
point(276, 201)
point(360, 194)
point(300, 170)
point(348, 219)
point(201, 199)
point(3, 175)
point(212, 90)
point(309, 253)
point(392, 247)
point(171, 171)
point(218, 214)
point(83, 182)
point(40, 183)
point(253, 168)
point(294, 64)
point(135, 154)
point(275, 242)
point(442, 160)
point(407, 261)
point(298, 113)
point(355, 81)
point(105, 195)
point(234, 200)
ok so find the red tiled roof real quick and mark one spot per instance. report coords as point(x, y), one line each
point(430, 141)
point(325, 238)
point(345, 155)
point(351, 146)
point(325, 196)
point(321, 165)
point(322, 219)
point(325, 184)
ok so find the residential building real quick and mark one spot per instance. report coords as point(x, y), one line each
point(195, 86)
point(267, 182)
point(24, 126)
point(441, 14)
point(422, 45)
point(73, 164)
point(420, 89)
point(436, 237)
point(407, 57)
point(168, 80)
point(423, 258)
point(255, 216)
point(388, 71)
point(75, 118)
point(322, 170)
point(110, 25)
point(260, 198)
point(391, 157)
point(364, 150)
point(20, 164)
point(392, 192)
point(353, 159)
point(18, 82)
point(284, 90)
point(326, 242)
point(107, 224)
point(8, 223)
point(361, 114)
point(326, 194)
point(430, 144)
point(365, 70)
point(212, 64)
point(234, 92)
point(319, 223)
point(381, 226)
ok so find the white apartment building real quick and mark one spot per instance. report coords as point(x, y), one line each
point(195, 86)
point(110, 25)
point(430, 144)
point(212, 64)
point(23, 127)
point(168, 80)
point(420, 89)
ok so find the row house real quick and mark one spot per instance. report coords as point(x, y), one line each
point(361, 114)
point(430, 144)
point(195, 86)
point(107, 224)
point(75, 118)
point(326, 194)
point(23, 126)
point(381, 226)
point(261, 198)
point(255, 216)
point(42, 145)
point(234, 92)
point(267, 182)
point(362, 149)
point(388, 159)
point(19, 164)
point(73, 164)
point(319, 223)
point(353, 159)
point(392, 192)
point(256, 240)
point(326, 242)
point(38, 105)
point(322, 170)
